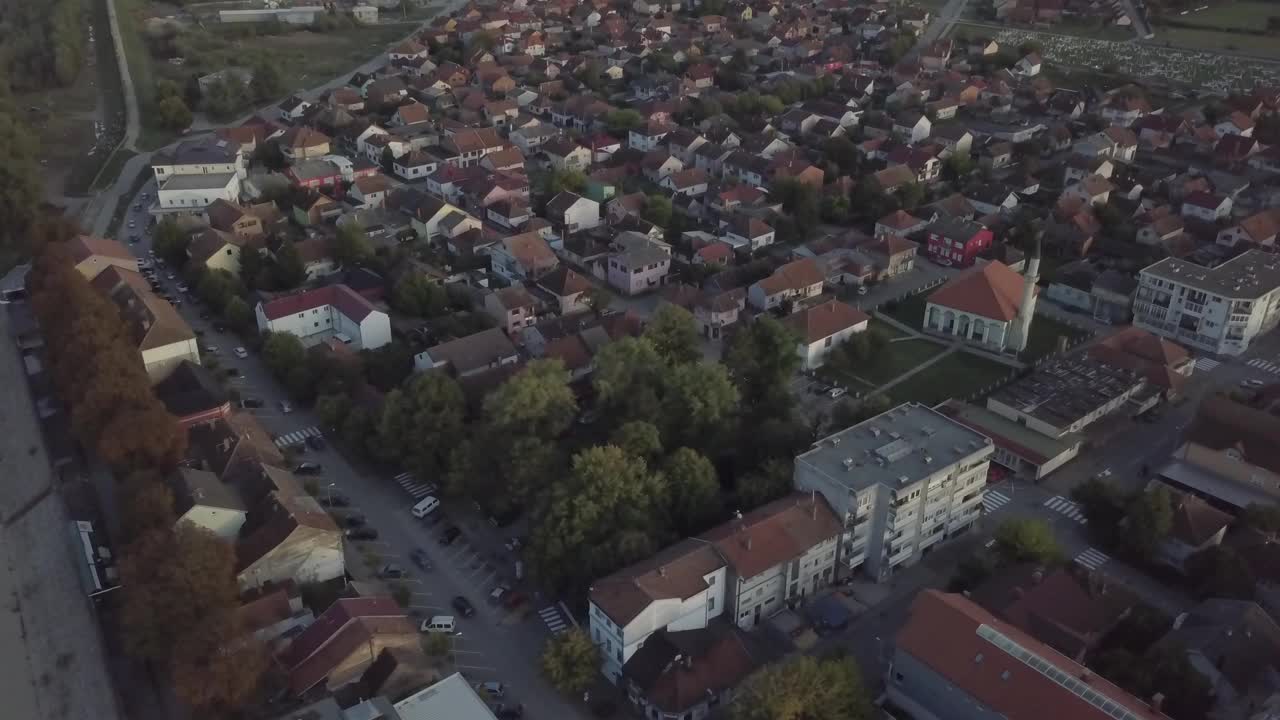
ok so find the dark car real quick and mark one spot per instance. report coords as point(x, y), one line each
point(451, 533)
point(233, 372)
point(509, 712)
point(463, 606)
point(354, 521)
point(419, 558)
point(315, 442)
point(308, 468)
point(391, 571)
point(219, 327)
point(251, 402)
point(362, 533)
point(334, 500)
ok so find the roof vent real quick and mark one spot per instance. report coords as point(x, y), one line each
point(835, 440)
point(875, 431)
point(977, 659)
point(848, 463)
point(928, 459)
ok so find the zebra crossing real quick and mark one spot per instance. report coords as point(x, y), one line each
point(297, 437)
point(1059, 504)
point(993, 501)
point(1264, 365)
point(554, 620)
point(1205, 364)
point(416, 488)
point(1092, 559)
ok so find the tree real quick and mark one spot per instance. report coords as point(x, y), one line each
point(761, 359)
point(224, 96)
point(422, 422)
point(214, 667)
point(282, 352)
point(698, 400)
point(767, 483)
point(571, 661)
point(536, 401)
point(800, 202)
point(387, 161)
point(638, 439)
point(603, 515)
point(332, 409)
point(842, 152)
point(1263, 518)
point(217, 288)
point(657, 210)
point(350, 245)
point(911, 195)
point(170, 242)
point(561, 180)
point(674, 334)
point(143, 437)
point(251, 266)
point(289, 269)
point(1103, 507)
point(851, 412)
point(629, 374)
point(146, 505)
point(695, 490)
point(173, 113)
point(620, 122)
point(1149, 517)
point(1021, 540)
point(804, 688)
point(20, 174)
point(238, 315)
point(418, 295)
point(388, 366)
point(957, 167)
point(597, 299)
point(266, 83)
point(1218, 571)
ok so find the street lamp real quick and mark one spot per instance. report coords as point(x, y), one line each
point(328, 490)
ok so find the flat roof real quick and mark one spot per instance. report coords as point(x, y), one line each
point(1247, 276)
point(1202, 482)
point(896, 447)
point(1027, 444)
point(1064, 391)
point(450, 698)
point(199, 181)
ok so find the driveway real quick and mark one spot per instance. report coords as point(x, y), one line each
point(494, 644)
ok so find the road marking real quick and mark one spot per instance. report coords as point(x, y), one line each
point(1059, 504)
point(1092, 559)
point(416, 489)
point(1205, 364)
point(298, 437)
point(994, 500)
point(476, 667)
point(554, 621)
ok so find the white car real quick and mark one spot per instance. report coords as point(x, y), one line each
point(1252, 383)
point(285, 407)
point(837, 392)
point(241, 353)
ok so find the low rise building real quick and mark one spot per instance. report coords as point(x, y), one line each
point(638, 264)
point(901, 481)
point(193, 193)
point(334, 311)
point(1067, 395)
point(1228, 456)
point(164, 340)
point(470, 355)
point(823, 328)
point(796, 281)
point(1024, 452)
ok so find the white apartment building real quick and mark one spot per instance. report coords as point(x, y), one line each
point(1215, 310)
point(194, 193)
point(902, 481)
point(209, 156)
point(334, 311)
point(745, 571)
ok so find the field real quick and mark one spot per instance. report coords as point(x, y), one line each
point(1261, 45)
point(959, 375)
point(1245, 15)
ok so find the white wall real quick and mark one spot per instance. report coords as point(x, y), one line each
point(200, 198)
point(312, 559)
point(161, 361)
point(814, 355)
point(223, 522)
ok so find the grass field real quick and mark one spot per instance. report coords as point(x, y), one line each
point(958, 375)
point(897, 358)
point(1260, 45)
point(1246, 15)
point(1045, 332)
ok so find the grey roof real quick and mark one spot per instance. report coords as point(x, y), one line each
point(1068, 389)
point(1247, 276)
point(203, 181)
point(200, 487)
point(473, 351)
point(1238, 638)
point(896, 447)
point(208, 151)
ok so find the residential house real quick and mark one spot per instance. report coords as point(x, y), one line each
point(568, 287)
point(1228, 456)
point(796, 281)
point(955, 242)
point(470, 355)
point(823, 328)
point(1206, 206)
point(689, 673)
point(344, 641)
point(512, 308)
point(748, 232)
point(288, 536)
point(201, 498)
point(900, 222)
point(1235, 646)
point(691, 182)
point(1196, 526)
point(523, 257)
point(302, 143)
point(92, 255)
point(371, 190)
point(1259, 229)
point(162, 337)
point(638, 263)
point(334, 311)
point(912, 126)
point(570, 213)
point(566, 154)
point(293, 108)
point(1092, 189)
point(1237, 123)
point(193, 396)
point(1164, 364)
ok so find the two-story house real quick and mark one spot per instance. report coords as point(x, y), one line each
point(956, 242)
point(570, 213)
point(512, 308)
point(638, 263)
point(797, 280)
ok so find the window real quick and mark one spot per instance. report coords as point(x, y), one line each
point(711, 604)
point(826, 343)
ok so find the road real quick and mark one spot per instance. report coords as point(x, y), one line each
point(941, 24)
point(493, 645)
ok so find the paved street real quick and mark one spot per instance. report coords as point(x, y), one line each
point(941, 24)
point(492, 645)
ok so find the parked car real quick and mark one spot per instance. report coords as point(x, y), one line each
point(513, 543)
point(1251, 383)
point(333, 499)
point(462, 606)
point(391, 571)
point(315, 442)
point(451, 533)
point(492, 688)
point(837, 392)
point(362, 533)
point(419, 558)
point(308, 468)
point(251, 402)
point(508, 712)
point(354, 520)
point(241, 353)
point(495, 597)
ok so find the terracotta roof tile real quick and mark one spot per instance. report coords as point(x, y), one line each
point(822, 321)
point(779, 531)
point(991, 290)
point(350, 303)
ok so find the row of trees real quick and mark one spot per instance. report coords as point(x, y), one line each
point(20, 186)
point(41, 43)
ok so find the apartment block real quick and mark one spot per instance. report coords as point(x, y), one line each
point(901, 481)
point(1218, 310)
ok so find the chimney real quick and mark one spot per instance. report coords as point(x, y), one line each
point(1157, 701)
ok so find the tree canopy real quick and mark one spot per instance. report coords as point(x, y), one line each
point(804, 688)
point(571, 661)
point(422, 422)
point(1023, 540)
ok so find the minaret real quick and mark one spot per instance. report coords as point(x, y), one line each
point(1021, 329)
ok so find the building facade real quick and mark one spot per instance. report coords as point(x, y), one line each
point(333, 311)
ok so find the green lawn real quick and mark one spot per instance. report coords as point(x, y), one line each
point(1260, 45)
point(958, 375)
point(897, 358)
point(909, 311)
point(1045, 332)
point(1246, 15)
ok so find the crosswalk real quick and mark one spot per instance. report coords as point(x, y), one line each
point(554, 619)
point(1059, 504)
point(298, 437)
point(1265, 365)
point(993, 500)
point(1092, 559)
point(1205, 364)
point(416, 488)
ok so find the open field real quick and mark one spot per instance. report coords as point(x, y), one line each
point(1246, 15)
point(958, 375)
point(1261, 45)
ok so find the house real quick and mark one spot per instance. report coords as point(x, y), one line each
point(568, 287)
point(303, 143)
point(217, 250)
point(334, 311)
point(92, 255)
point(893, 178)
point(900, 222)
point(566, 154)
point(984, 306)
point(748, 232)
point(658, 164)
point(192, 193)
point(691, 182)
point(1258, 229)
point(293, 108)
point(823, 328)
point(570, 213)
point(201, 498)
point(798, 280)
point(688, 673)
point(913, 127)
point(162, 337)
point(235, 219)
point(1092, 189)
point(1028, 66)
point(1164, 364)
point(345, 640)
point(371, 190)
point(1196, 526)
point(638, 263)
point(1206, 206)
point(470, 355)
point(1228, 456)
point(193, 396)
point(526, 256)
point(512, 308)
point(890, 256)
point(1235, 645)
point(409, 114)
point(687, 586)
point(1237, 123)
point(288, 536)
point(955, 242)
point(953, 654)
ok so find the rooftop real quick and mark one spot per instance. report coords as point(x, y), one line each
point(201, 181)
point(1018, 439)
point(1066, 390)
point(450, 698)
point(1247, 276)
point(894, 448)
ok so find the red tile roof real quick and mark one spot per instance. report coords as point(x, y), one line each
point(334, 619)
point(347, 301)
point(991, 290)
point(942, 633)
point(783, 530)
point(822, 321)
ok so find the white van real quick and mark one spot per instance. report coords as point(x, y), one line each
point(425, 507)
point(438, 624)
